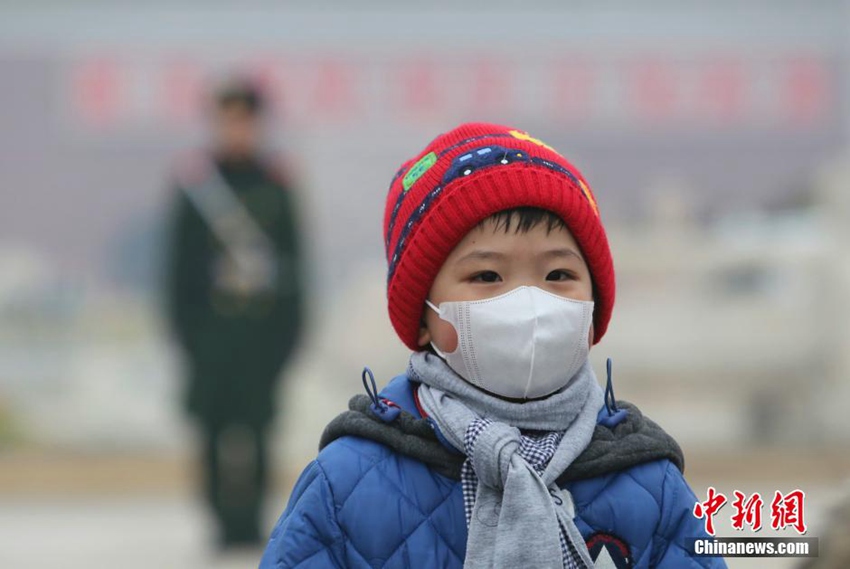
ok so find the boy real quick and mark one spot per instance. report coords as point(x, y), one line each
point(497, 447)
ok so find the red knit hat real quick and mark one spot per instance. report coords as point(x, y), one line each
point(463, 177)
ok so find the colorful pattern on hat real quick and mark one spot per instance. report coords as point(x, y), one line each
point(461, 178)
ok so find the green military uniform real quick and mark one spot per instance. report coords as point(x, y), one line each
point(234, 299)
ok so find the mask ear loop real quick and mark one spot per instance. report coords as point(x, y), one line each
point(433, 345)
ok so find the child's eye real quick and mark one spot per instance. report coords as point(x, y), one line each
point(561, 275)
point(486, 277)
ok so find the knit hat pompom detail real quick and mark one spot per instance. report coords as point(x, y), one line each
point(463, 177)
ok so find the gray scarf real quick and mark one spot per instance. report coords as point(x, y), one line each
point(518, 514)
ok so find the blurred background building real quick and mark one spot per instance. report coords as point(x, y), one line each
point(714, 134)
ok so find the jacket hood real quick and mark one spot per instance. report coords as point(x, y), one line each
point(392, 418)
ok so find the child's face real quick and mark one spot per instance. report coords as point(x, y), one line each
point(490, 261)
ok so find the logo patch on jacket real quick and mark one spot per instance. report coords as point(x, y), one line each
point(609, 551)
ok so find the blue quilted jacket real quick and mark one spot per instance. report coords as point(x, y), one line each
point(390, 504)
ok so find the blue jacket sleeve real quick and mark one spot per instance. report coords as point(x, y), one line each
point(307, 535)
point(677, 524)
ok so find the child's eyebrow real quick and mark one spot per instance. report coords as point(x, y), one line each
point(485, 255)
point(560, 253)
point(481, 255)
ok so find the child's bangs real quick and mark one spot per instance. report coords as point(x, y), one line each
point(523, 219)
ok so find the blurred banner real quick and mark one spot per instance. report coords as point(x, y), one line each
point(789, 91)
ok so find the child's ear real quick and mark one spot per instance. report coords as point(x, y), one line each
point(424, 334)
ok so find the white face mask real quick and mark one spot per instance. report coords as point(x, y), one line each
point(523, 344)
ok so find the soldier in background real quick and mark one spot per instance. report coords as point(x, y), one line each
point(234, 302)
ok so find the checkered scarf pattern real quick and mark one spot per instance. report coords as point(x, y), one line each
point(537, 449)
